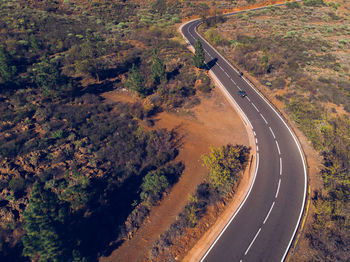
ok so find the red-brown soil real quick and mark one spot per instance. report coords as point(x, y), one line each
point(212, 123)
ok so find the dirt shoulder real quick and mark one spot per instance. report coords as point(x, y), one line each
point(224, 214)
point(212, 123)
point(300, 250)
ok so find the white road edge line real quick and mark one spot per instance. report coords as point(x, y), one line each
point(246, 252)
point(254, 178)
point(273, 134)
point(290, 131)
point(304, 167)
point(268, 214)
point(278, 188)
point(235, 214)
point(278, 147)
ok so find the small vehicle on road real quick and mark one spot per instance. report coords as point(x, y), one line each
point(240, 73)
point(242, 93)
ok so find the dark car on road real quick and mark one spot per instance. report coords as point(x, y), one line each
point(242, 93)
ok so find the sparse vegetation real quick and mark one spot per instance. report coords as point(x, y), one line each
point(64, 149)
point(225, 165)
point(304, 63)
point(69, 159)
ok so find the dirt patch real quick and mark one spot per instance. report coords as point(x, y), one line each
point(212, 123)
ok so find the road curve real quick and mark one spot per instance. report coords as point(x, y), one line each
point(264, 226)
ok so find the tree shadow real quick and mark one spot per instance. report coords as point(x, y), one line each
point(119, 69)
point(102, 226)
point(211, 63)
point(174, 73)
point(106, 85)
point(10, 253)
point(9, 88)
point(105, 225)
point(98, 88)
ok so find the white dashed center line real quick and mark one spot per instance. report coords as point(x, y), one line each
point(263, 118)
point(278, 188)
point(278, 147)
point(246, 252)
point(273, 134)
point(255, 107)
point(268, 214)
point(256, 140)
point(280, 166)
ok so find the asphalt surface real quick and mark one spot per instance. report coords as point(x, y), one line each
point(264, 226)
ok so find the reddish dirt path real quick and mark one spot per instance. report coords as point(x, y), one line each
point(212, 123)
point(213, 12)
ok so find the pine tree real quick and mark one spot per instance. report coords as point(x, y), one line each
point(7, 70)
point(48, 76)
point(158, 68)
point(44, 220)
point(136, 81)
point(199, 55)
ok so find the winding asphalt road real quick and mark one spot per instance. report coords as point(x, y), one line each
point(265, 225)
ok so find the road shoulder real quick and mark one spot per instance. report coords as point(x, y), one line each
point(205, 242)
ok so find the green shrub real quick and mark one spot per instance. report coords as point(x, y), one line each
point(204, 88)
point(205, 83)
point(57, 134)
point(215, 37)
point(153, 186)
point(224, 164)
point(314, 3)
point(293, 5)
